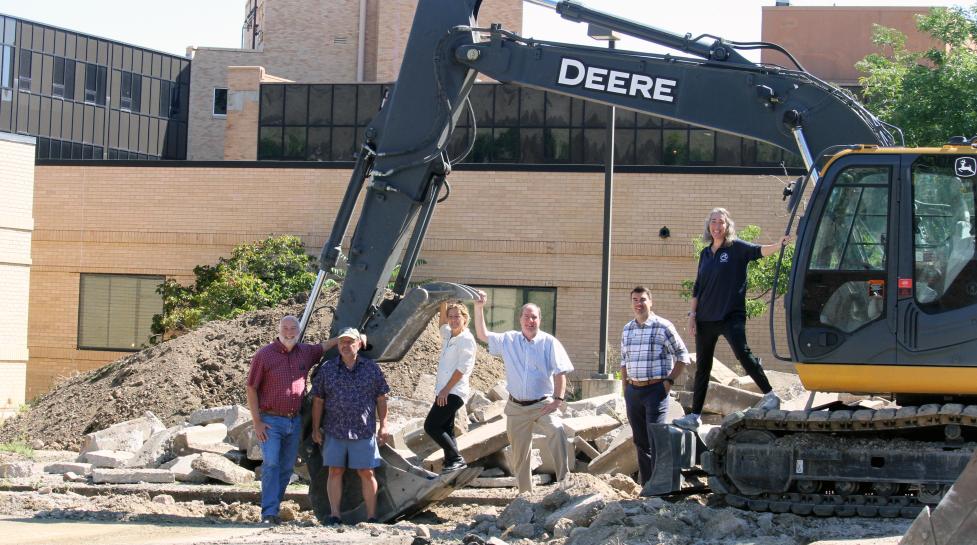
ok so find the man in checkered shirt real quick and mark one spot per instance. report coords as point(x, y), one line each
point(652, 357)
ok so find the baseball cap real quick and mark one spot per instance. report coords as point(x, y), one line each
point(350, 332)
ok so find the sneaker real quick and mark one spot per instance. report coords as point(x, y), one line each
point(454, 466)
point(689, 422)
point(333, 521)
point(271, 520)
point(770, 402)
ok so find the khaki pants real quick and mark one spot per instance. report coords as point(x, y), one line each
point(520, 421)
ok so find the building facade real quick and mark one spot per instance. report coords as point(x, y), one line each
point(523, 220)
point(85, 97)
point(336, 41)
point(16, 227)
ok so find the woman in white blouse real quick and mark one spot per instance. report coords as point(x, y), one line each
point(452, 390)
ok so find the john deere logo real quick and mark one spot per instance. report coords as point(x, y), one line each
point(965, 167)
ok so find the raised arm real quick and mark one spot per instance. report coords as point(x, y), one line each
point(480, 330)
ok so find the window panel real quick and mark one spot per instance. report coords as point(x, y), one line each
point(320, 105)
point(296, 104)
point(624, 146)
point(506, 146)
point(6, 67)
point(531, 146)
point(319, 144)
point(483, 98)
point(24, 70)
point(367, 103)
point(531, 107)
point(728, 152)
point(270, 143)
point(506, 106)
point(272, 104)
point(676, 148)
point(343, 139)
point(556, 145)
point(557, 110)
point(624, 119)
point(294, 143)
point(596, 115)
point(595, 142)
point(115, 312)
point(505, 304)
point(344, 105)
point(220, 101)
point(702, 146)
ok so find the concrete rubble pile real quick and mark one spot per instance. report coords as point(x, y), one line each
point(218, 444)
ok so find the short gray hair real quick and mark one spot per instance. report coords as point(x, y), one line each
point(531, 305)
point(290, 318)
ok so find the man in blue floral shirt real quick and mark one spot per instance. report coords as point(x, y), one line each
point(352, 390)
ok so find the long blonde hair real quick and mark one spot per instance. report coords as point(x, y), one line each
point(730, 227)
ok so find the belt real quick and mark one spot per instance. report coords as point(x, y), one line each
point(647, 382)
point(526, 403)
point(279, 413)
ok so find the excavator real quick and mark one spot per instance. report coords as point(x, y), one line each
point(883, 288)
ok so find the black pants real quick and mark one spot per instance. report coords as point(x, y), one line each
point(647, 406)
point(706, 335)
point(440, 425)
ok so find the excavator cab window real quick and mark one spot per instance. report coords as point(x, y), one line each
point(843, 289)
point(943, 236)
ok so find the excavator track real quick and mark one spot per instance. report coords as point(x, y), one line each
point(862, 462)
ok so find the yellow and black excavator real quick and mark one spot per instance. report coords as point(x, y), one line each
point(883, 289)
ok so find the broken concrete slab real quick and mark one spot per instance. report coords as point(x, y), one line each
point(608, 438)
point(498, 392)
point(489, 412)
point(193, 439)
point(131, 476)
point(590, 404)
point(109, 458)
point(474, 445)
point(723, 400)
point(129, 435)
point(615, 408)
point(72, 477)
point(787, 385)
point(508, 482)
point(156, 450)
point(183, 470)
point(581, 511)
point(17, 470)
point(65, 467)
point(477, 400)
point(229, 415)
point(583, 447)
point(461, 421)
point(620, 457)
point(242, 435)
point(720, 374)
point(221, 469)
point(589, 427)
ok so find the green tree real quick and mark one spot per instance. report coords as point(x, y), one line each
point(759, 274)
point(256, 275)
point(928, 94)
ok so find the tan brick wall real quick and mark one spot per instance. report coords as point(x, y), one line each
point(16, 226)
point(395, 19)
point(241, 133)
point(500, 228)
point(801, 30)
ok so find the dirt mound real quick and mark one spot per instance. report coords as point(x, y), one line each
point(204, 368)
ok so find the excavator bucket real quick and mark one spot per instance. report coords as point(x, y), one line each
point(954, 520)
point(394, 334)
point(404, 489)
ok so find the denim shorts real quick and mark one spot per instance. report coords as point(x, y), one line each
point(351, 453)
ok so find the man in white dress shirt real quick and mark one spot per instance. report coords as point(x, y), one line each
point(536, 365)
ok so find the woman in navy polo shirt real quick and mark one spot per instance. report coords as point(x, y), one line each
point(718, 308)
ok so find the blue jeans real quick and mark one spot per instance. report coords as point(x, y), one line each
point(647, 406)
point(279, 452)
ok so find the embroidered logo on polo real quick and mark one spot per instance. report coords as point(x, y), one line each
point(723, 257)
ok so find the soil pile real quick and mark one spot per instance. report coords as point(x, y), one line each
point(207, 367)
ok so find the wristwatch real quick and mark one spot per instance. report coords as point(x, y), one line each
point(669, 380)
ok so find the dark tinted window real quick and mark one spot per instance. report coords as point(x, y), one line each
point(220, 101)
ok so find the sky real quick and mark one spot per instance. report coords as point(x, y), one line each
point(217, 23)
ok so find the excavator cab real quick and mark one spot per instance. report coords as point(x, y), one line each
point(884, 287)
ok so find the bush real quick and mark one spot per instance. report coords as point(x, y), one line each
point(257, 275)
